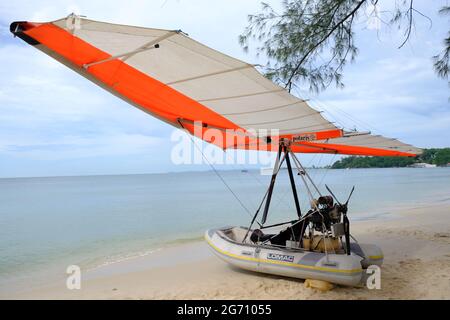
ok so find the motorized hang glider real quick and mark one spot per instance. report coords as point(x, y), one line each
point(189, 85)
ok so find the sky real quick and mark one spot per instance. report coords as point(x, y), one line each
point(53, 122)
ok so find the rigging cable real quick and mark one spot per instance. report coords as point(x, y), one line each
point(327, 169)
point(215, 171)
point(254, 176)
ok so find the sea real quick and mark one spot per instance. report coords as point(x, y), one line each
point(47, 224)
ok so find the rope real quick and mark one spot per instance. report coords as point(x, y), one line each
point(327, 170)
point(254, 176)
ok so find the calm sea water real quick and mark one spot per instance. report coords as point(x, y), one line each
point(47, 224)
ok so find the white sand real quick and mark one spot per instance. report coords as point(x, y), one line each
point(416, 244)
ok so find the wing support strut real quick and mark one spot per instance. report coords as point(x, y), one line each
point(283, 154)
point(154, 44)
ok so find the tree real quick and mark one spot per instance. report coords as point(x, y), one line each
point(312, 40)
point(442, 157)
point(428, 155)
point(372, 162)
point(441, 61)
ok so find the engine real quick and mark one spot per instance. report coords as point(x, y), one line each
point(324, 213)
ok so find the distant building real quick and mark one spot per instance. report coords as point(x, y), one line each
point(422, 165)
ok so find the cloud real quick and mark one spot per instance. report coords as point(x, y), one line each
point(75, 147)
point(393, 93)
point(49, 113)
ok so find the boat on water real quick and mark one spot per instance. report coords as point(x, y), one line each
point(422, 165)
point(229, 103)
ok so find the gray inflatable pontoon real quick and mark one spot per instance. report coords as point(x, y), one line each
point(338, 268)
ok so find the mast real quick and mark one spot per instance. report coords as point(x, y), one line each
point(291, 178)
point(272, 184)
point(282, 149)
point(285, 149)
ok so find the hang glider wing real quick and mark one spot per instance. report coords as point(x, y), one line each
point(189, 85)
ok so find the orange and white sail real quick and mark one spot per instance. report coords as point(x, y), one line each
point(187, 84)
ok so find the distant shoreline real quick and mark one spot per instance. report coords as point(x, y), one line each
point(429, 157)
point(195, 171)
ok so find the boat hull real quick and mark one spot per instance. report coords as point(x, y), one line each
point(372, 254)
point(335, 268)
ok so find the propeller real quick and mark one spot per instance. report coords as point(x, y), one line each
point(350, 195)
point(344, 208)
point(345, 205)
point(331, 192)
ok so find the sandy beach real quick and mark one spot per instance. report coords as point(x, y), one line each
point(415, 241)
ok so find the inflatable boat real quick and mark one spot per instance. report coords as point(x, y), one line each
point(338, 267)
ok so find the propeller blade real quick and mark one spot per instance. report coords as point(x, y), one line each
point(329, 190)
point(347, 234)
point(350, 195)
